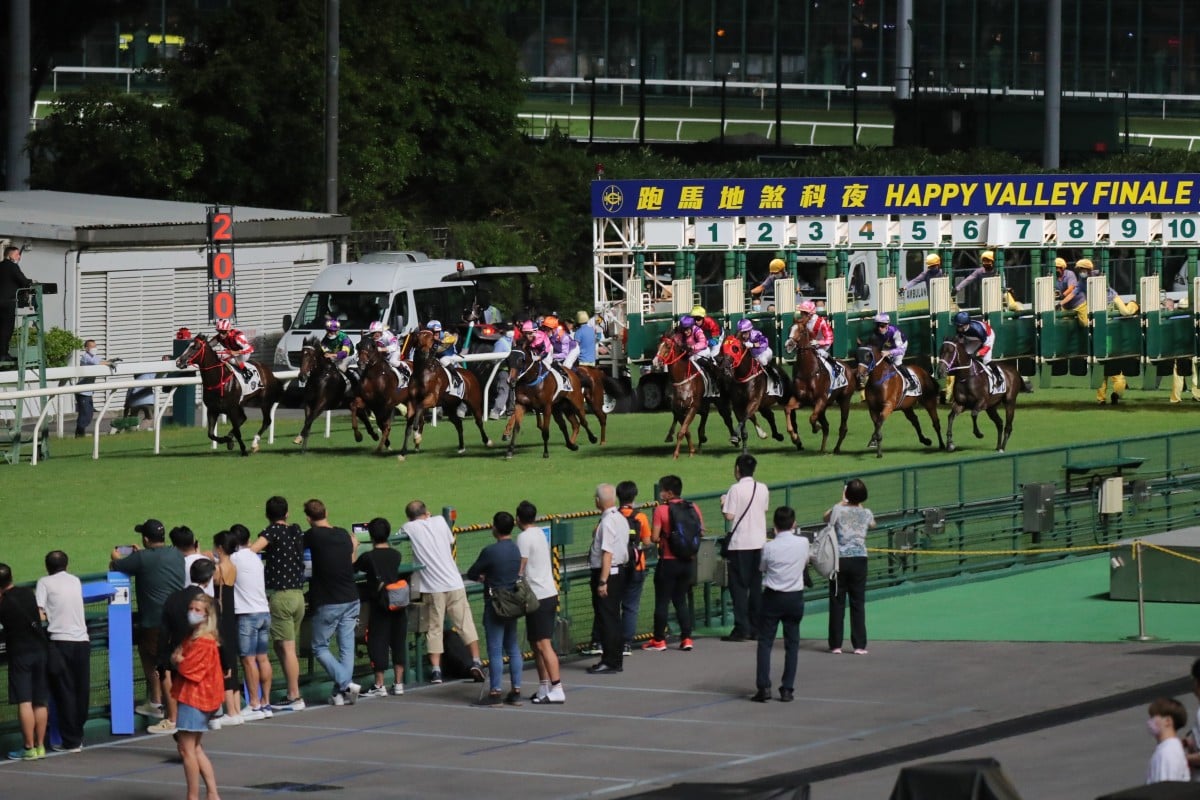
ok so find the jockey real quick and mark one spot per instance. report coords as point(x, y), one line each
point(820, 332)
point(385, 342)
point(237, 347)
point(566, 349)
point(337, 345)
point(711, 328)
point(893, 345)
point(693, 337)
point(545, 344)
point(759, 347)
point(445, 344)
point(978, 332)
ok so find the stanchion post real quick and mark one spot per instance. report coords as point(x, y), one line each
point(1142, 636)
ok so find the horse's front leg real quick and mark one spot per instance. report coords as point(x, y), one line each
point(266, 425)
point(955, 410)
point(302, 437)
point(994, 414)
point(214, 417)
point(915, 421)
point(236, 418)
point(1009, 411)
point(512, 429)
point(409, 421)
point(789, 419)
point(843, 428)
point(544, 424)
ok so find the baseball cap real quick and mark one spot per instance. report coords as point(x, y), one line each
point(151, 529)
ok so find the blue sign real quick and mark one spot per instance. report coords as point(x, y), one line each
point(959, 194)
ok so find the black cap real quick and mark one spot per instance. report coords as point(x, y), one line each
point(152, 529)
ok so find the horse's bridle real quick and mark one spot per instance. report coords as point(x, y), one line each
point(948, 366)
point(192, 361)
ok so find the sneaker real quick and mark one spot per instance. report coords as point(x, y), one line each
point(556, 697)
point(491, 699)
point(837, 651)
point(859, 651)
point(265, 710)
point(376, 691)
point(477, 671)
point(336, 699)
point(24, 754)
point(351, 695)
point(289, 704)
point(230, 720)
point(149, 710)
point(513, 698)
point(62, 748)
point(495, 415)
point(627, 650)
point(655, 644)
point(435, 677)
point(41, 750)
point(215, 723)
point(252, 715)
point(594, 650)
point(398, 689)
point(686, 644)
point(164, 726)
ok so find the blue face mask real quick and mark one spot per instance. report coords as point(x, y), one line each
point(196, 617)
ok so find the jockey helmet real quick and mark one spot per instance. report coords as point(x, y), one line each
point(550, 322)
point(1084, 264)
point(807, 307)
point(744, 326)
point(933, 260)
point(883, 318)
point(224, 325)
point(1060, 263)
point(962, 318)
point(332, 325)
point(527, 326)
point(777, 265)
point(698, 311)
point(687, 322)
point(987, 257)
point(434, 326)
point(375, 327)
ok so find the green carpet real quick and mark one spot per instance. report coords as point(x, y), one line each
point(1062, 603)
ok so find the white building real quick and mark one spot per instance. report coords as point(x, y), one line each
point(131, 272)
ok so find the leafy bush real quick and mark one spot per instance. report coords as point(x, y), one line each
point(59, 346)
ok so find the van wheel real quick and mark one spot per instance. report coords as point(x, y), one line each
point(651, 395)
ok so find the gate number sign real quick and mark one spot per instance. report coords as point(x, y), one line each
point(222, 291)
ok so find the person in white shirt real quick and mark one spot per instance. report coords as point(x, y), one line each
point(254, 625)
point(441, 586)
point(184, 540)
point(1190, 744)
point(745, 504)
point(60, 602)
point(607, 559)
point(1168, 763)
point(538, 571)
point(783, 562)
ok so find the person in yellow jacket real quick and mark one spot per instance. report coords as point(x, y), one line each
point(1084, 269)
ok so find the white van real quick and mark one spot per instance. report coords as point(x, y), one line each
point(405, 289)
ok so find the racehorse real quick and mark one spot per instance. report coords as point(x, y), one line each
point(600, 391)
point(887, 391)
point(382, 391)
point(810, 386)
point(687, 399)
point(223, 393)
point(536, 390)
point(325, 388)
point(744, 384)
point(429, 389)
point(972, 392)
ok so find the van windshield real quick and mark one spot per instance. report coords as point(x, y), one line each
point(354, 310)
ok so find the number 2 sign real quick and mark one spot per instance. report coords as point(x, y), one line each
point(222, 292)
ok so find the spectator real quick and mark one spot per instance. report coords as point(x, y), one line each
point(283, 547)
point(28, 688)
point(441, 586)
point(387, 631)
point(498, 567)
point(60, 601)
point(85, 408)
point(851, 520)
point(639, 540)
point(334, 597)
point(538, 570)
point(783, 561)
point(608, 559)
point(746, 504)
point(225, 544)
point(184, 540)
point(11, 279)
point(157, 570)
point(672, 576)
point(1168, 763)
point(585, 335)
point(1190, 743)
point(503, 345)
point(198, 692)
point(254, 625)
point(175, 629)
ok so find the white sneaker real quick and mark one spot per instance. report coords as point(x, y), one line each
point(163, 726)
point(398, 689)
point(149, 710)
point(265, 710)
point(289, 705)
point(495, 415)
point(376, 691)
point(353, 691)
point(214, 724)
point(336, 699)
point(232, 719)
point(556, 696)
point(253, 715)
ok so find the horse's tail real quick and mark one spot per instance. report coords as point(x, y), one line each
point(613, 387)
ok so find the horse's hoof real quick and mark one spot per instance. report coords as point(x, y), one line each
point(761, 434)
point(927, 442)
point(504, 437)
point(979, 435)
point(1000, 450)
point(400, 458)
point(669, 439)
point(489, 443)
point(245, 454)
point(950, 448)
point(545, 455)
point(462, 450)
point(777, 437)
point(229, 445)
point(298, 440)
point(592, 439)
point(358, 437)
point(871, 445)
point(570, 446)
point(735, 441)
point(508, 456)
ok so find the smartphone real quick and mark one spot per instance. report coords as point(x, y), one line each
point(358, 527)
point(124, 550)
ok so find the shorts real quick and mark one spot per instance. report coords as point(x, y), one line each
point(540, 624)
point(192, 719)
point(27, 681)
point(454, 605)
point(147, 644)
point(252, 634)
point(287, 612)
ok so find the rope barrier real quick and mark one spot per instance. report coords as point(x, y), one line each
point(1033, 551)
point(1161, 549)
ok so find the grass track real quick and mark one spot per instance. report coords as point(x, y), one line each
point(86, 506)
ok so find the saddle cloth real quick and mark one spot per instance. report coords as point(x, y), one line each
point(997, 383)
point(774, 387)
point(710, 386)
point(837, 378)
point(248, 387)
point(403, 374)
point(456, 386)
point(912, 387)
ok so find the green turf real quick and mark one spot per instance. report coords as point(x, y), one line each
point(87, 506)
point(1067, 602)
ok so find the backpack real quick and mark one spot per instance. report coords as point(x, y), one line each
point(635, 542)
point(685, 534)
point(825, 553)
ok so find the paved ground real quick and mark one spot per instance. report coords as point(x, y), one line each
point(1052, 714)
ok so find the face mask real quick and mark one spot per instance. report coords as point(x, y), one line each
point(196, 617)
point(1153, 726)
point(91, 351)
